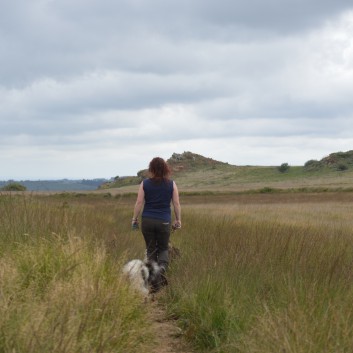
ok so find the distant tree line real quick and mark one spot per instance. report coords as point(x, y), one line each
point(13, 186)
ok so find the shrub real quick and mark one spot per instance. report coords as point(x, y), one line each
point(342, 167)
point(266, 190)
point(284, 167)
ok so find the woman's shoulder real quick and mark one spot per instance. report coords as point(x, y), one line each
point(145, 182)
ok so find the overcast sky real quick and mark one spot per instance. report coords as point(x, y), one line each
point(97, 88)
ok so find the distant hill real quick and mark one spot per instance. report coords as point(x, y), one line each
point(196, 173)
point(179, 163)
point(58, 185)
point(186, 162)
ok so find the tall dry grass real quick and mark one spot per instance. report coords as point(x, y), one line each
point(269, 278)
point(61, 288)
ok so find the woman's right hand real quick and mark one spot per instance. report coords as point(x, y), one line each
point(134, 224)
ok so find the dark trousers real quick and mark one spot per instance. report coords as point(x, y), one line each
point(156, 233)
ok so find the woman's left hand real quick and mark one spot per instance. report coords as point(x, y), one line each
point(176, 225)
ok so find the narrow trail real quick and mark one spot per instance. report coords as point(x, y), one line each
point(168, 335)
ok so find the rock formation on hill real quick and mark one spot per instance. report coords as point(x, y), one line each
point(337, 160)
point(178, 162)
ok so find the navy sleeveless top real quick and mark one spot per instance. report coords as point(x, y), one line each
point(158, 195)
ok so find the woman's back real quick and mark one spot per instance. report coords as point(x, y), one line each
point(158, 196)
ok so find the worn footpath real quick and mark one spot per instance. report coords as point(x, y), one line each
point(168, 335)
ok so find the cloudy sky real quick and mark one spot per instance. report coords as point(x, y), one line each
point(96, 88)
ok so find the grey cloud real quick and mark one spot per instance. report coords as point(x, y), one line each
point(274, 15)
point(185, 17)
point(106, 91)
point(62, 38)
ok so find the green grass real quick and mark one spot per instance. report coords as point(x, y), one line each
point(228, 178)
point(259, 272)
point(61, 285)
point(263, 282)
point(251, 177)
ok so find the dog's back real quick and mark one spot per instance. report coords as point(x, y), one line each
point(138, 274)
point(145, 276)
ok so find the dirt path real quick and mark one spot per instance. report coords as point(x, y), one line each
point(168, 334)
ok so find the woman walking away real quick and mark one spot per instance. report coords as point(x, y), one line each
point(156, 195)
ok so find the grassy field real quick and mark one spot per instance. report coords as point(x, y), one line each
point(241, 178)
point(230, 179)
point(271, 276)
point(61, 288)
point(259, 272)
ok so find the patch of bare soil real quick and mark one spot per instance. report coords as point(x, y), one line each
point(168, 335)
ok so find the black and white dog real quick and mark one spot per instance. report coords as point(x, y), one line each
point(145, 276)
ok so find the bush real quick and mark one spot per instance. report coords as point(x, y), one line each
point(266, 190)
point(284, 167)
point(14, 187)
point(342, 167)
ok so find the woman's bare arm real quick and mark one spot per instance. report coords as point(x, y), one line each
point(139, 202)
point(176, 204)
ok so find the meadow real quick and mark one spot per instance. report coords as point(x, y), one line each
point(262, 272)
point(266, 276)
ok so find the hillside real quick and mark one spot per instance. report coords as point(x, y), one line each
point(337, 160)
point(196, 173)
point(180, 163)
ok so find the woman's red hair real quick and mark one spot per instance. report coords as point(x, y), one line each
point(159, 169)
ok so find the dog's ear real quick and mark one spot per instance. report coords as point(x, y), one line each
point(157, 279)
point(152, 267)
point(149, 266)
